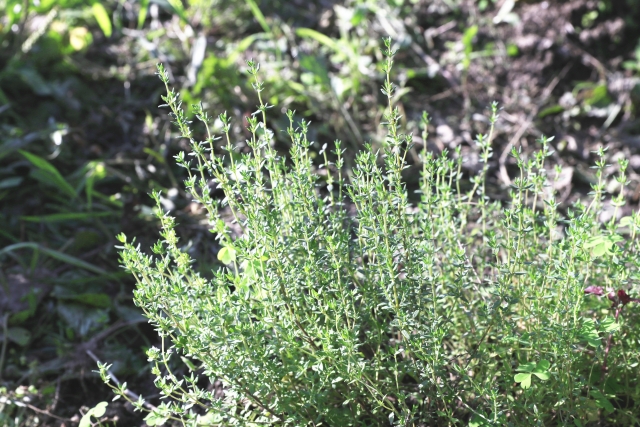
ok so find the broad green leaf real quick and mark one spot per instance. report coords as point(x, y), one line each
point(542, 375)
point(593, 241)
point(478, 421)
point(524, 379)
point(19, 335)
point(85, 421)
point(94, 300)
point(102, 17)
point(599, 250)
point(589, 333)
point(609, 325)
point(227, 255)
point(602, 401)
point(97, 411)
point(82, 319)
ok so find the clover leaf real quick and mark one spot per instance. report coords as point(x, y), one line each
point(528, 369)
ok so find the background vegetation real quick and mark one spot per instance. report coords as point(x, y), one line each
point(82, 142)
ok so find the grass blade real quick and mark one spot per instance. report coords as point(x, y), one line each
point(71, 260)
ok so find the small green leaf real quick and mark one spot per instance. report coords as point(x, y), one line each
point(189, 364)
point(227, 255)
point(86, 420)
point(542, 365)
point(542, 375)
point(541, 368)
point(598, 94)
point(524, 379)
point(538, 369)
point(97, 411)
point(625, 221)
point(155, 419)
point(526, 367)
point(512, 49)
point(467, 37)
point(599, 250)
point(601, 244)
point(102, 17)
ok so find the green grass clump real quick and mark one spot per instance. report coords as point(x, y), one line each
point(343, 304)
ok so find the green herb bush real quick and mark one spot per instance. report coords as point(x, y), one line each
point(343, 304)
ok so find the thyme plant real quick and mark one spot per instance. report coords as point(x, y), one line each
point(343, 304)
